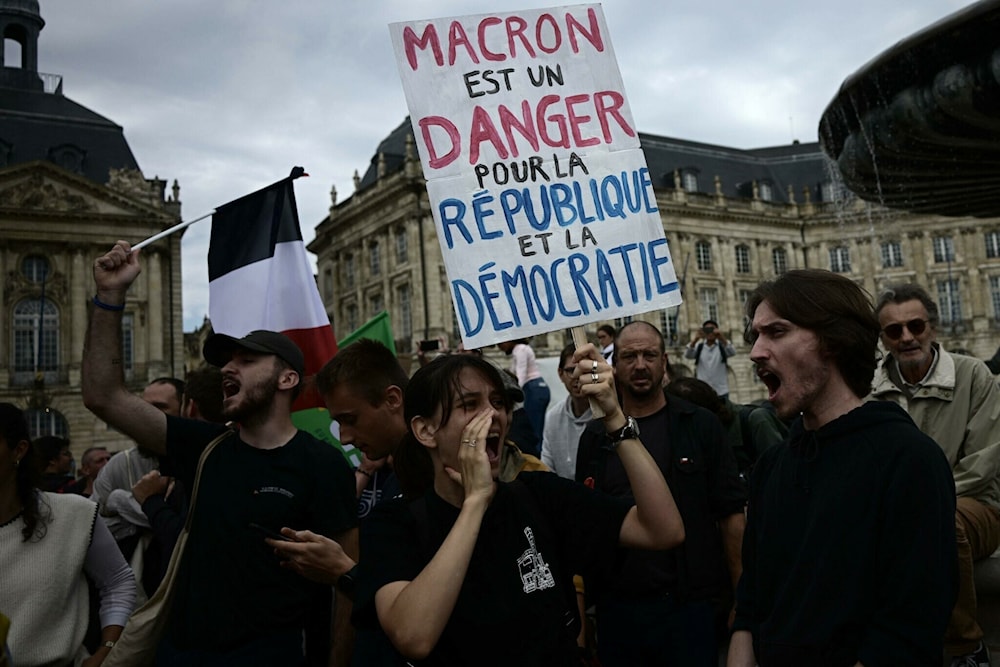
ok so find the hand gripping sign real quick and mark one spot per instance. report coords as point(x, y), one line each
point(542, 200)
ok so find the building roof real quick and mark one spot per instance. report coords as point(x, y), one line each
point(801, 165)
point(37, 122)
point(35, 125)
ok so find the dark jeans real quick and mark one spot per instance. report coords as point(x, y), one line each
point(280, 649)
point(536, 401)
point(660, 632)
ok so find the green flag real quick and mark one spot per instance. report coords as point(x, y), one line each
point(377, 328)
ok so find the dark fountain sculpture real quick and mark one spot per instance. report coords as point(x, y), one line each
point(918, 127)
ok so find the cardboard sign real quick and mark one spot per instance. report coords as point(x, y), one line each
point(542, 199)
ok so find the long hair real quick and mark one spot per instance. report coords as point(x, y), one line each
point(834, 308)
point(14, 429)
point(434, 388)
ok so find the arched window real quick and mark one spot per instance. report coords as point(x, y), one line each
point(36, 340)
point(35, 268)
point(14, 39)
point(46, 422)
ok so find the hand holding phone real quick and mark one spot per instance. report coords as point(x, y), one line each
point(267, 532)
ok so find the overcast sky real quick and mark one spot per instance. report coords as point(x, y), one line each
point(227, 95)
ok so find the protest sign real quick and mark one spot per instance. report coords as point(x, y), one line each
point(541, 196)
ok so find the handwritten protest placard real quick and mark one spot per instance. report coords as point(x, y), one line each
point(541, 196)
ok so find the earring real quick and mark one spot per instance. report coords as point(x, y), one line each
point(16, 462)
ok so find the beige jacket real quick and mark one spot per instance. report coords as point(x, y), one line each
point(958, 406)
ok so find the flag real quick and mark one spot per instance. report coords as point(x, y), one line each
point(261, 278)
point(317, 420)
point(377, 328)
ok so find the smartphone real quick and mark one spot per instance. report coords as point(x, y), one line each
point(428, 345)
point(267, 532)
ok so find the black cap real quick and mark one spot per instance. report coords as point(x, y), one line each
point(219, 348)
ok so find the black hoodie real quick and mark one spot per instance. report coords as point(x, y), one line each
point(849, 552)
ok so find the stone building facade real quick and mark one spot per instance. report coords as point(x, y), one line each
point(732, 218)
point(69, 188)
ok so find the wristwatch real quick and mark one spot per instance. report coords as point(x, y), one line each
point(629, 431)
point(345, 583)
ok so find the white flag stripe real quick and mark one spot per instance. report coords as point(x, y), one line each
point(278, 293)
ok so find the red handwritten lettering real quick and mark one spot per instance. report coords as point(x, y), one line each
point(550, 34)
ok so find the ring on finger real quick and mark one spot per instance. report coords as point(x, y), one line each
point(469, 443)
point(595, 378)
point(593, 369)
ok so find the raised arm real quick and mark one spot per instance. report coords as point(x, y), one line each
point(654, 522)
point(104, 391)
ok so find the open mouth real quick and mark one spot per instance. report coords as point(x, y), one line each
point(770, 380)
point(493, 447)
point(229, 388)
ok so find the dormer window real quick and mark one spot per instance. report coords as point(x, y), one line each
point(765, 191)
point(69, 157)
point(826, 192)
point(689, 180)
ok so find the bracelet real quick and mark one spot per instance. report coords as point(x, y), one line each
point(107, 306)
point(363, 472)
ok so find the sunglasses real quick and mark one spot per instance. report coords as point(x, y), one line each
point(894, 331)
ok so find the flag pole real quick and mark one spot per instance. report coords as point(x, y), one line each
point(167, 232)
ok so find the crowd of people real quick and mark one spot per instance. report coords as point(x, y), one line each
point(835, 523)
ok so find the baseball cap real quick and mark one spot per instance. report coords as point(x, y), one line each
point(219, 348)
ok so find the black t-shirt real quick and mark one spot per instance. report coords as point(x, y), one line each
point(690, 448)
point(512, 606)
point(643, 571)
point(231, 588)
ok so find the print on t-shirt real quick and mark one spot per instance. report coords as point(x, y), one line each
point(535, 572)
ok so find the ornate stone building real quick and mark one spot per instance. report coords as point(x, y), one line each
point(69, 188)
point(732, 218)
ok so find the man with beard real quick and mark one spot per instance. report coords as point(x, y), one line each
point(659, 608)
point(113, 486)
point(955, 400)
point(234, 604)
point(849, 554)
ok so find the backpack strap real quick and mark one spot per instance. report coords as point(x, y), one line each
point(197, 475)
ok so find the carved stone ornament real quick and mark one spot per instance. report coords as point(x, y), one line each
point(35, 193)
point(129, 182)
